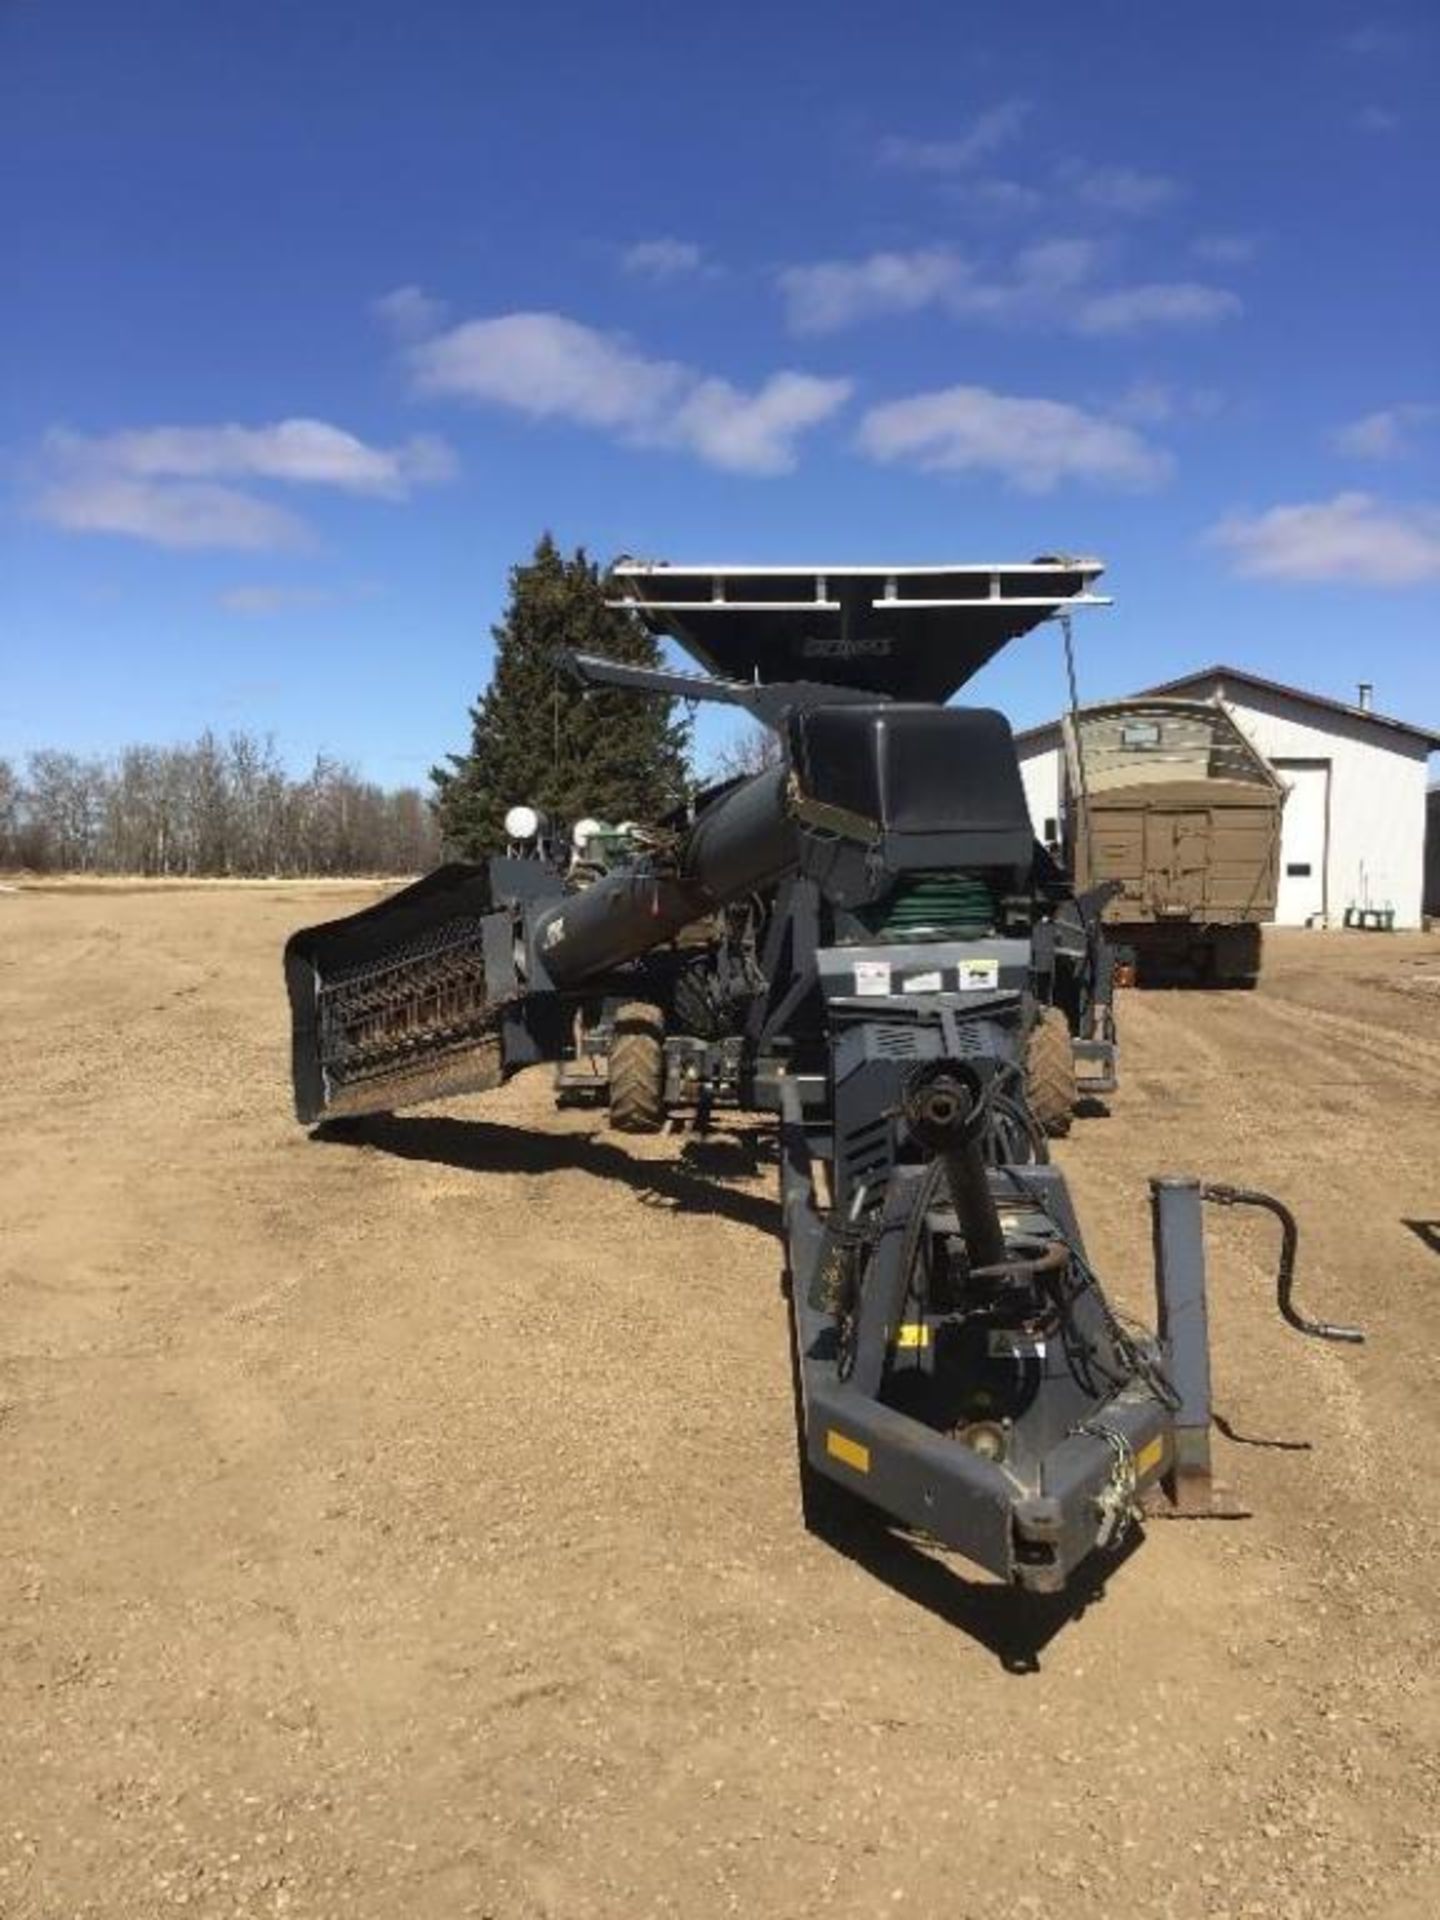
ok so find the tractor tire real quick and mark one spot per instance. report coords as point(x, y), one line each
point(637, 1069)
point(1050, 1073)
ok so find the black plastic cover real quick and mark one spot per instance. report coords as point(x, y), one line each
point(919, 770)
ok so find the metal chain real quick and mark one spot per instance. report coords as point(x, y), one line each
point(1116, 1505)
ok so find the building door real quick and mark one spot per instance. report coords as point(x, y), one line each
point(1304, 841)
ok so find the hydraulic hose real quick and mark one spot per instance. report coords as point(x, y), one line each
point(1226, 1196)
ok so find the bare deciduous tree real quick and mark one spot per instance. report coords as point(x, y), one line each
point(210, 808)
point(749, 752)
point(9, 811)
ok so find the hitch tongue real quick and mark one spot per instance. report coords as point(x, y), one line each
point(1227, 1196)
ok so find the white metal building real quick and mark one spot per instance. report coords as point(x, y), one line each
point(1353, 828)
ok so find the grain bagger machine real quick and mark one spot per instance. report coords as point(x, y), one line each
point(881, 940)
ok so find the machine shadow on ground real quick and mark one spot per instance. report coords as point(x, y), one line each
point(745, 1153)
point(1427, 1232)
point(1270, 1443)
point(694, 1184)
point(1014, 1626)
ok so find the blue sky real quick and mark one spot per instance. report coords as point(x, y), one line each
point(323, 311)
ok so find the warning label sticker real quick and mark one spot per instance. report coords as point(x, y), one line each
point(976, 976)
point(920, 983)
point(872, 976)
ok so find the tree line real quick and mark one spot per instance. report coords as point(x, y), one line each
point(214, 807)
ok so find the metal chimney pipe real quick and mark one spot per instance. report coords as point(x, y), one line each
point(1367, 693)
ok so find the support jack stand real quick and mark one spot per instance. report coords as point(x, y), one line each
point(1194, 1496)
point(1189, 1491)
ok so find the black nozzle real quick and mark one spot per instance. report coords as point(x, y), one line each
point(945, 1105)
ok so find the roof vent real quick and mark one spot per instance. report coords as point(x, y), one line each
point(1367, 696)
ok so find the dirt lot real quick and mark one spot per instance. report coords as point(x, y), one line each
point(411, 1530)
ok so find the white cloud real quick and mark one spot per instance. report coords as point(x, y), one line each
point(1160, 303)
point(547, 366)
point(180, 513)
point(1118, 190)
point(299, 452)
point(1050, 266)
point(1149, 403)
point(1049, 284)
point(1377, 120)
point(664, 259)
point(754, 432)
point(1034, 444)
point(1037, 288)
point(1225, 249)
point(986, 134)
point(830, 294)
point(1122, 189)
point(1383, 435)
point(1001, 198)
point(1354, 539)
point(409, 313)
point(262, 600)
point(550, 367)
point(162, 484)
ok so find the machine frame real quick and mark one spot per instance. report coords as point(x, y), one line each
point(959, 1364)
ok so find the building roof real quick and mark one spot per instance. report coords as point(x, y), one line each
point(1240, 677)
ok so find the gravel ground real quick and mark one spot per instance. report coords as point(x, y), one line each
point(412, 1528)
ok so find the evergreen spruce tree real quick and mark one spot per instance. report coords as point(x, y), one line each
point(537, 738)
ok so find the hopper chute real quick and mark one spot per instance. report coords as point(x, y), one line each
point(912, 633)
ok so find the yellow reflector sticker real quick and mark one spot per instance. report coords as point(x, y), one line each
point(841, 1447)
point(912, 1333)
point(1149, 1457)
